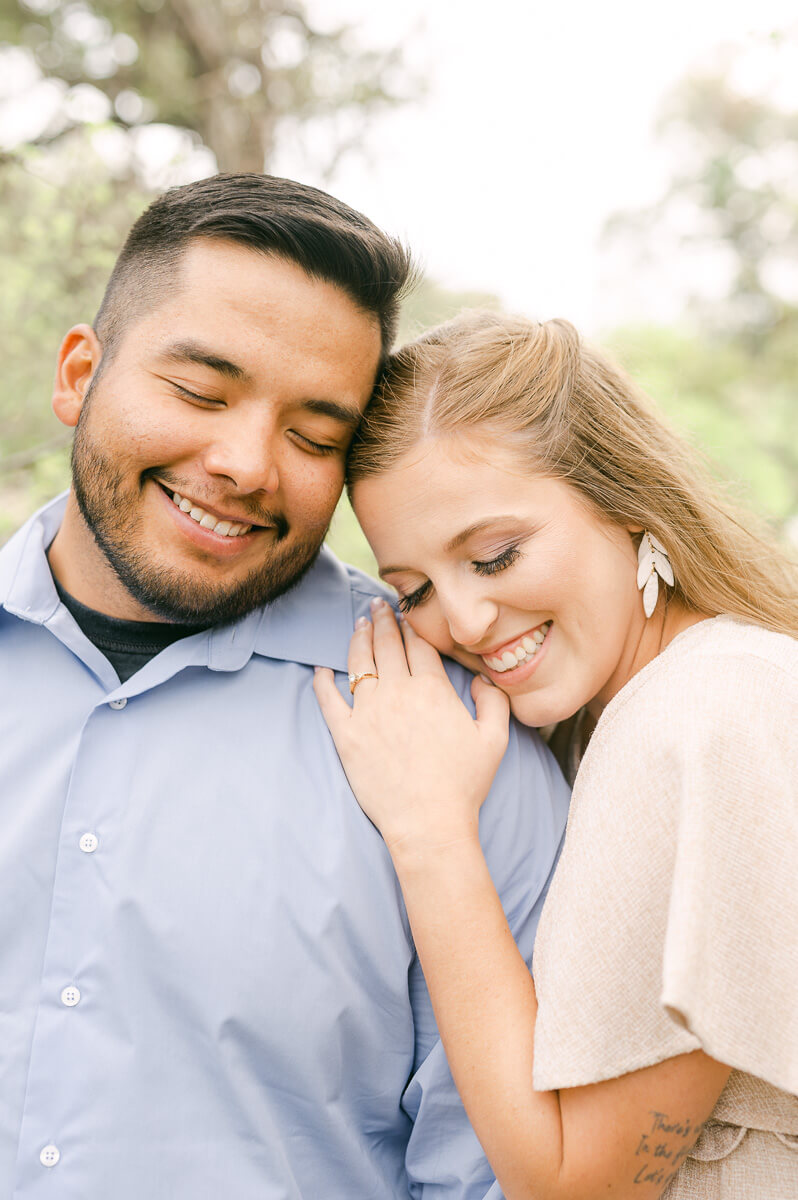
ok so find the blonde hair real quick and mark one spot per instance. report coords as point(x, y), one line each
point(564, 410)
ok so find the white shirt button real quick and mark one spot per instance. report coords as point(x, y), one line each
point(70, 996)
point(89, 843)
point(118, 703)
point(49, 1156)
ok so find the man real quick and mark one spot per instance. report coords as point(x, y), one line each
point(207, 983)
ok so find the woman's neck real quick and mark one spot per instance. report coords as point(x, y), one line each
point(654, 636)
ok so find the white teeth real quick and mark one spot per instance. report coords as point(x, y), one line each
point(526, 649)
point(206, 520)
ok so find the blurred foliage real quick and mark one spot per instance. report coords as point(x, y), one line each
point(241, 74)
point(430, 304)
point(348, 541)
point(725, 230)
point(62, 221)
point(738, 407)
point(730, 210)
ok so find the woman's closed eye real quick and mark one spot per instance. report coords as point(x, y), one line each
point(500, 563)
point(483, 567)
point(406, 603)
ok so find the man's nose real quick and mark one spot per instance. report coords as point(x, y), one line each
point(245, 454)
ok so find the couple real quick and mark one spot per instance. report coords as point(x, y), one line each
point(211, 959)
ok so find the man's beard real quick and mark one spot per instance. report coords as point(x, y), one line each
point(169, 593)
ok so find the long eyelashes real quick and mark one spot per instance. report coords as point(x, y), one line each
point(500, 563)
point(414, 598)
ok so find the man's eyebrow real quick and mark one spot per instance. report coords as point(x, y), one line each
point(349, 416)
point(193, 352)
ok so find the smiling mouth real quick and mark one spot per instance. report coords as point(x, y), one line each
point(224, 526)
point(526, 648)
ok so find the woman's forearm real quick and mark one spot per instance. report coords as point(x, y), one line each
point(485, 1006)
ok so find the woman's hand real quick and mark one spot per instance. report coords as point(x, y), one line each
point(419, 764)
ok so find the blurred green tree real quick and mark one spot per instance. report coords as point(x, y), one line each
point(730, 210)
point(241, 74)
point(724, 233)
point(61, 226)
point(739, 408)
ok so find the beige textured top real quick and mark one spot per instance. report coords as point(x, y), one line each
point(672, 921)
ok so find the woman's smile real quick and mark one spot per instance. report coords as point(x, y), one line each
point(525, 651)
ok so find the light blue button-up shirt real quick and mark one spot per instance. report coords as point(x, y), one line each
point(208, 989)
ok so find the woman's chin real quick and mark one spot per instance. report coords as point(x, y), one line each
point(539, 711)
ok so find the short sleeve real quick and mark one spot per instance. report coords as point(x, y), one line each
point(671, 922)
point(730, 964)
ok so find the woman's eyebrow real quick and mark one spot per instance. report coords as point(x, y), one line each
point(460, 538)
point(477, 527)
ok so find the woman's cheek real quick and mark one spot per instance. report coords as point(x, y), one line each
point(433, 630)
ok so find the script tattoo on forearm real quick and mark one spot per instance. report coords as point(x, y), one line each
point(663, 1148)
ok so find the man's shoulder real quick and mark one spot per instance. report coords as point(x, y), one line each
point(365, 587)
point(313, 622)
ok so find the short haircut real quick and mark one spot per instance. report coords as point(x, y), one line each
point(326, 238)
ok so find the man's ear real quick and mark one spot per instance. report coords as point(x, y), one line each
point(78, 359)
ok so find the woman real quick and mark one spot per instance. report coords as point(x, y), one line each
point(543, 527)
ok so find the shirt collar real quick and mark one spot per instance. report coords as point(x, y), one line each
point(26, 584)
point(311, 624)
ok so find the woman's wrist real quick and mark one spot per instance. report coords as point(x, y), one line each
point(423, 851)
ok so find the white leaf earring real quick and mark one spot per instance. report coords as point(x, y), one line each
point(653, 565)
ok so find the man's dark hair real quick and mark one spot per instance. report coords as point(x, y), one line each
point(325, 237)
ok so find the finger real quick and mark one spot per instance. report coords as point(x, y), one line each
point(493, 712)
point(422, 658)
point(361, 655)
point(334, 707)
point(389, 650)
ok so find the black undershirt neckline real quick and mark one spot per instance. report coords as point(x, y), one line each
point(128, 645)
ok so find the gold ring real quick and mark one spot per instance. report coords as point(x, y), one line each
point(354, 680)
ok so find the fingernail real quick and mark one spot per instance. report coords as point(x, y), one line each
point(361, 622)
point(490, 681)
point(316, 670)
point(377, 602)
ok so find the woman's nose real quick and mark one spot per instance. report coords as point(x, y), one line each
point(470, 618)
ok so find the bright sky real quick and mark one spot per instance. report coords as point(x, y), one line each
point(538, 124)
